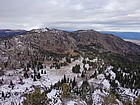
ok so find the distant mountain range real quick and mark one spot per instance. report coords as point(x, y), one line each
point(11, 33)
point(124, 35)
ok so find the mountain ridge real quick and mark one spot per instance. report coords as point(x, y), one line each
point(37, 42)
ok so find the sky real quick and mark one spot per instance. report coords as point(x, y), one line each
point(102, 15)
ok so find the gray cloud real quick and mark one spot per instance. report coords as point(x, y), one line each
point(115, 15)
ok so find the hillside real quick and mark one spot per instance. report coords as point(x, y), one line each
point(36, 43)
point(107, 42)
point(62, 42)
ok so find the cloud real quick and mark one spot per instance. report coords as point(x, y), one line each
point(114, 15)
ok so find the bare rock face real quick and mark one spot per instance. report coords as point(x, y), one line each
point(20, 49)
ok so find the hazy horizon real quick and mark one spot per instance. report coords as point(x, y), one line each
point(69, 30)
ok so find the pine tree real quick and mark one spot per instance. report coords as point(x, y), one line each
point(68, 80)
point(35, 72)
point(26, 74)
point(21, 81)
point(76, 69)
point(11, 83)
point(62, 81)
point(41, 71)
point(68, 60)
point(65, 78)
point(2, 79)
point(74, 83)
point(45, 72)
point(82, 75)
point(95, 73)
point(38, 76)
point(57, 66)
point(34, 78)
point(84, 61)
point(2, 95)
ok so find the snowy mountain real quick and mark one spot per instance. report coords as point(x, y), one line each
point(55, 67)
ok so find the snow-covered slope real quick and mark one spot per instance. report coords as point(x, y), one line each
point(100, 94)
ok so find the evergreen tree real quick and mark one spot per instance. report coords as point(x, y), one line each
point(41, 71)
point(2, 80)
point(95, 73)
point(26, 74)
point(28, 65)
point(11, 83)
point(84, 61)
point(57, 66)
point(76, 69)
point(64, 79)
point(34, 78)
point(74, 83)
point(45, 72)
point(82, 75)
point(68, 60)
point(38, 76)
point(21, 81)
point(68, 80)
point(2, 94)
